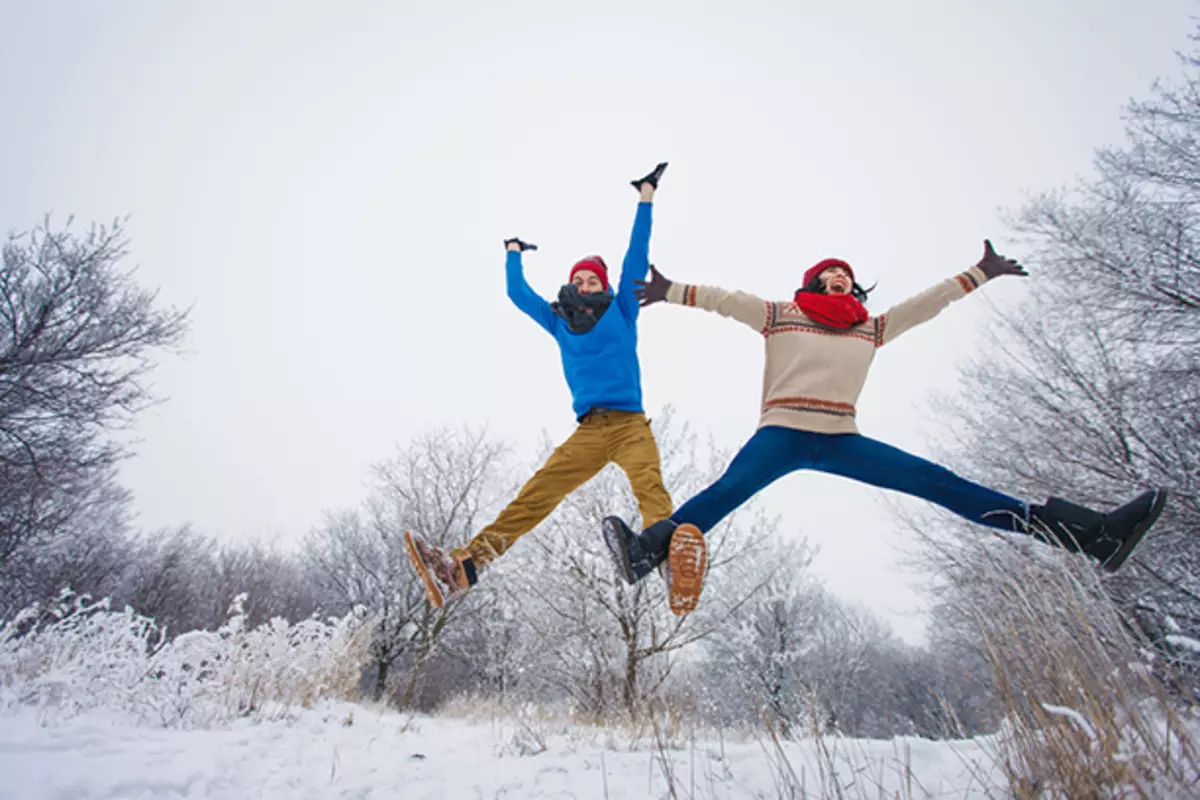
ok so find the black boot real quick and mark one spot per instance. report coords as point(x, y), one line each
point(1109, 538)
point(1065, 524)
point(630, 552)
point(652, 178)
point(1127, 525)
point(655, 541)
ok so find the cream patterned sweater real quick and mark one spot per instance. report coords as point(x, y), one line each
point(813, 375)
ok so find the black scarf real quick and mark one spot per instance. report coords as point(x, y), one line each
point(581, 311)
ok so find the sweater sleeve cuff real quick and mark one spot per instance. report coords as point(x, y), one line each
point(971, 280)
point(681, 294)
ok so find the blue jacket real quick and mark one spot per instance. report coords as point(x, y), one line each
point(601, 366)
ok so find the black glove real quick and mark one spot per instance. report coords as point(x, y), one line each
point(524, 245)
point(994, 265)
point(652, 291)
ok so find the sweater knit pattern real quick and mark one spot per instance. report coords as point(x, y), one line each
point(813, 375)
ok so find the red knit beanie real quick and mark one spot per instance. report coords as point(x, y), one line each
point(594, 264)
point(821, 266)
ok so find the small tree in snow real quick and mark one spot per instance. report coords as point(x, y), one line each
point(441, 485)
point(603, 644)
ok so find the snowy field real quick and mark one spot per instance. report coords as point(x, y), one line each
point(348, 751)
point(97, 703)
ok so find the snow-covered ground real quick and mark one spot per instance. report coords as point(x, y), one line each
point(348, 751)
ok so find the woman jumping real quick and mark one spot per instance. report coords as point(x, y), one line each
point(819, 348)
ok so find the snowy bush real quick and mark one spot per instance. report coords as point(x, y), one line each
point(78, 655)
point(1088, 711)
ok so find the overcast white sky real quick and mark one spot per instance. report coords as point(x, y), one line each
point(329, 185)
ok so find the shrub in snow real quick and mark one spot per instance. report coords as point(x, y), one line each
point(1086, 714)
point(78, 655)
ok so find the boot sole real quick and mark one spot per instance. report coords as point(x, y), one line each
point(436, 599)
point(1139, 531)
point(614, 539)
point(688, 557)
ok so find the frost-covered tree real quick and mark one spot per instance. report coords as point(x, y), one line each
point(441, 484)
point(273, 582)
point(168, 578)
point(87, 549)
point(755, 663)
point(585, 635)
point(814, 663)
point(77, 340)
point(187, 581)
point(1091, 387)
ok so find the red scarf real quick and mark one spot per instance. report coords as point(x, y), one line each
point(840, 311)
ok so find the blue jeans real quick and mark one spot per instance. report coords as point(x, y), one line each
point(774, 451)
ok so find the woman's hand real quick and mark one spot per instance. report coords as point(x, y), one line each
point(995, 265)
point(653, 290)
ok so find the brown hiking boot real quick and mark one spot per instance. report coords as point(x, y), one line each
point(444, 575)
point(687, 560)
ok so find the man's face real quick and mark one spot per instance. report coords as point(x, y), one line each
point(587, 282)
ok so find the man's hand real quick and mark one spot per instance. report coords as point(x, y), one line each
point(651, 179)
point(995, 265)
point(518, 245)
point(652, 291)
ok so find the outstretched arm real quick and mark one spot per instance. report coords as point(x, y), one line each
point(929, 303)
point(742, 306)
point(637, 257)
point(519, 290)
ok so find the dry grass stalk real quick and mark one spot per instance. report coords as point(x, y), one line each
point(1085, 715)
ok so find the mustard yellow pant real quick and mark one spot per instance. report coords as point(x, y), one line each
point(604, 437)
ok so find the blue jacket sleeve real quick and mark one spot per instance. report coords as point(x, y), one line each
point(637, 261)
point(523, 295)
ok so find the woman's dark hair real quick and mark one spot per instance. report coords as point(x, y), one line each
point(817, 287)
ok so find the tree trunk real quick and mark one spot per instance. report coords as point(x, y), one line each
point(631, 670)
point(381, 675)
